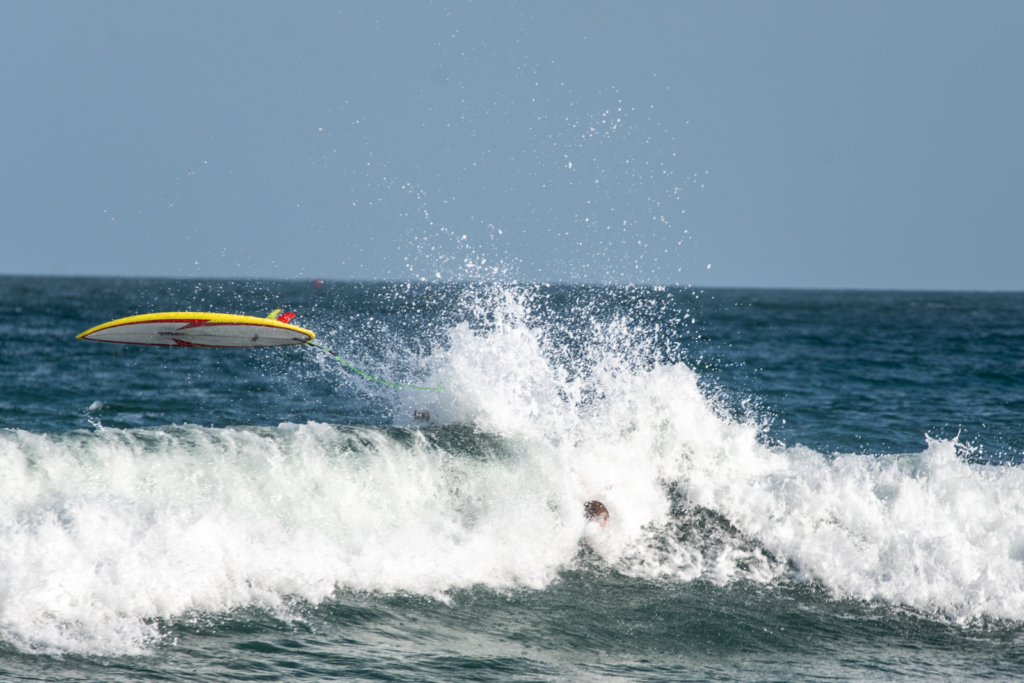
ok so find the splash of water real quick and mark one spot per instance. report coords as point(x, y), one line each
point(105, 533)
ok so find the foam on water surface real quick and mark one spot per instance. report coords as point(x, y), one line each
point(104, 531)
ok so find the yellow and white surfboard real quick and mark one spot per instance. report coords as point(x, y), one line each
point(205, 330)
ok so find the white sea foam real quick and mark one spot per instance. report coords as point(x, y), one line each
point(103, 533)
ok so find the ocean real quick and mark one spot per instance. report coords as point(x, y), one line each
point(801, 485)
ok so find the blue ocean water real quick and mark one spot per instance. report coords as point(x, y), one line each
point(803, 485)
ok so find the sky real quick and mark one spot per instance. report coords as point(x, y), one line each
point(871, 145)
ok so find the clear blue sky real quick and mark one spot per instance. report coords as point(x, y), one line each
point(796, 144)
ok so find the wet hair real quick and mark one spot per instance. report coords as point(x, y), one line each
point(594, 510)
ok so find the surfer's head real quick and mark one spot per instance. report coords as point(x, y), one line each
point(595, 511)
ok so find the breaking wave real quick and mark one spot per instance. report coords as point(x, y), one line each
point(105, 533)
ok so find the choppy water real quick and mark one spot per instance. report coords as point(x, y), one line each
point(802, 486)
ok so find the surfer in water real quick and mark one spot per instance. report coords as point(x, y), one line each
point(595, 511)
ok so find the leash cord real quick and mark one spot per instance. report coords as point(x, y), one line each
point(440, 385)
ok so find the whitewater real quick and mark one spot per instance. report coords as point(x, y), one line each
point(115, 538)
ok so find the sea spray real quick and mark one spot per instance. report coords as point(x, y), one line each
point(627, 426)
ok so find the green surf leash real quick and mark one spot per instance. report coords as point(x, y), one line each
point(440, 385)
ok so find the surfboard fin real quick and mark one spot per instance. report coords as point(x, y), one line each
point(280, 317)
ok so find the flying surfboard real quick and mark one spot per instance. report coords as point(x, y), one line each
point(204, 330)
point(219, 331)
